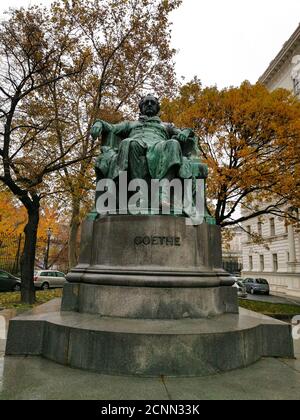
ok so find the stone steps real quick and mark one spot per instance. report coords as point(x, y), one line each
point(186, 347)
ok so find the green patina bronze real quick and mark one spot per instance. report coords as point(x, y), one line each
point(148, 149)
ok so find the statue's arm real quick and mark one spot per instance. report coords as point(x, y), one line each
point(187, 138)
point(181, 135)
point(103, 127)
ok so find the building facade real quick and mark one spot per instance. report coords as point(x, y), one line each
point(232, 251)
point(284, 70)
point(271, 250)
point(270, 247)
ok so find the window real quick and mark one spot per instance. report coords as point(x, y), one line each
point(288, 256)
point(286, 225)
point(272, 226)
point(261, 281)
point(250, 263)
point(248, 232)
point(275, 262)
point(4, 275)
point(296, 86)
point(262, 262)
point(59, 274)
point(44, 274)
point(259, 228)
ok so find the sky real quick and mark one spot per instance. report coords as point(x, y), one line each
point(224, 42)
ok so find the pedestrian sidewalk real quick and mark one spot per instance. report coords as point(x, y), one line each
point(35, 378)
point(289, 298)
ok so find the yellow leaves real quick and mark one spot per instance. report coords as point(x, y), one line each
point(249, 137)
point(49, 219)
point(12, 216)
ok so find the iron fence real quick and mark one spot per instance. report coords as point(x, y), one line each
point(51, 253)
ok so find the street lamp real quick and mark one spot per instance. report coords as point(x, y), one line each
point(47, 249)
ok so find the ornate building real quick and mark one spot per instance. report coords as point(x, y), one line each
point(284, 70)
point(277, 258)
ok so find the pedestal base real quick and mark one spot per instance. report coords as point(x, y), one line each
point(118, 346)
point(149, 302)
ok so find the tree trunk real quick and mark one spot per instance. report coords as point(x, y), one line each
point(73, 233)
point(28, 254)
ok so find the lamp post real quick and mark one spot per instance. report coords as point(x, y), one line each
point(47, 249)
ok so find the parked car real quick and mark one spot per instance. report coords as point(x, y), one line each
point(241, 289)
point(257, 285)
point(8, 282)
point(46, 279)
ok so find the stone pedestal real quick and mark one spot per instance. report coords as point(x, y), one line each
point(149, 297)
point(145, 267)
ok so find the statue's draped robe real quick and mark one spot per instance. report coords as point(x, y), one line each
point(147, 146)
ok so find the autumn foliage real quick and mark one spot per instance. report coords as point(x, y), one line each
point(12, 216)
point(61, 67)
point(13, 219)
point(250, 139)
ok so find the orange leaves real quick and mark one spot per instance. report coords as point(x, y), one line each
point(249, 137)
point(49, 219)
point(12, 216)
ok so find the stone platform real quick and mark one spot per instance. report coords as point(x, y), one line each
point(186, 347)
point(149, 297)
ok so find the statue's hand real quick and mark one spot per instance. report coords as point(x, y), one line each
point(184, 135)
point(181, 137)
point(96, 129)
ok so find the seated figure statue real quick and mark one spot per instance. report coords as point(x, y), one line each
point(147, 148)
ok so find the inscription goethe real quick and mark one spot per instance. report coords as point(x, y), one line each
point(157, 240)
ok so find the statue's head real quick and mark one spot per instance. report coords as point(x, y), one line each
point(149, 105)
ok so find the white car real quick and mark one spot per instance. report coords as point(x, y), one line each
point(45, 279)
point(241, 289)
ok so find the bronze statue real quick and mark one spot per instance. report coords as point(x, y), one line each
point(147, 148)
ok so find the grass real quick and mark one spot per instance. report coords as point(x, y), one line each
point(13, 300)
point(270, 308)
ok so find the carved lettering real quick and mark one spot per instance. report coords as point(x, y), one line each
point(146, 240)
point(157, 240)
point(169, 241)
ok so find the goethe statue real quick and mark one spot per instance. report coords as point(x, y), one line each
point(146, 148)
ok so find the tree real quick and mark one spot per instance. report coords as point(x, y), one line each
point(34, 56)
point(61, 69)
point(250, 139)
point(12, 216)
point(13, 219)
point(130, 54)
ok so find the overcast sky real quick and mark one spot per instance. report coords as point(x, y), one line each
point(224, 42)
